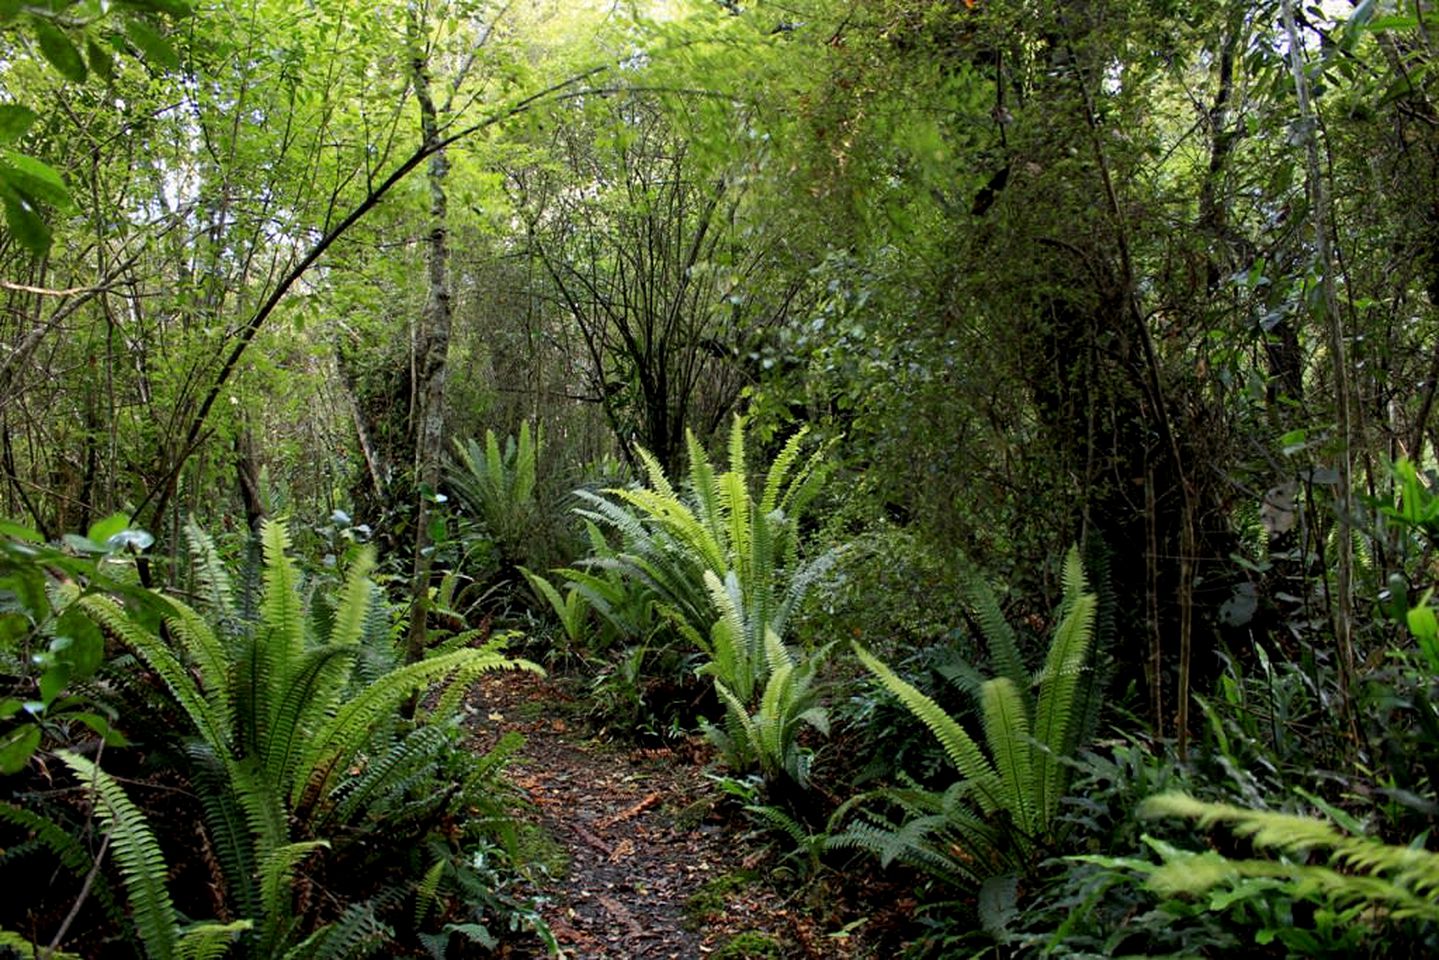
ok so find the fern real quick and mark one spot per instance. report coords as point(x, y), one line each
point(279, 711)
point(1002, 814)
point(671, 543)
point(142, 865)
point(20, 947)
point(1401, 882)
point(63, 846)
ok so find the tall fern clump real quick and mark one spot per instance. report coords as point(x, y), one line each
point(295, 745)
point(725, 566)
point(497, 485)
point(1000, 818)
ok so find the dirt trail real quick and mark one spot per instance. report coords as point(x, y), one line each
point(632, 822)
point(651, 871)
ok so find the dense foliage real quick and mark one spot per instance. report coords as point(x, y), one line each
point(1005, 430)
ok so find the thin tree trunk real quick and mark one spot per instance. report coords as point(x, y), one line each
point(431, 345)
point(1320, 214)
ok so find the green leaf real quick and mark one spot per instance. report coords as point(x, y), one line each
point(53, 681)
point(15, 120)
point(19, 531)
point(151, 43)
point(34, 180)
point(17, 746)
point(59, 50)
point(102, 530)
point(28, 227)
point(101, 60)
point(111, 736)
point(1392, 22)
point(83, 649)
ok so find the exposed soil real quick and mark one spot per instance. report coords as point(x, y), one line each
point(655, 870)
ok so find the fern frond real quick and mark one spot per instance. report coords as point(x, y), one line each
point(300, 709)
point(333, 745)
point(209, 654)
point(161, 659)
point(66, 849)
point(779, 471)
point(357, 934)
point(1400, 880)
point(963, 752)
point(703, 484)
point(998, 634)
point(281, 610)
point(227, 826)
point(426, 891)
point(1055, 715)
point(142, 865)
point(24, 949)
point(209, 941)
point(354, 604)
point(1006, 730)
point(212, 580)
point(277, 871)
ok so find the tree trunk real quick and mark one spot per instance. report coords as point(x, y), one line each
point(431, 346)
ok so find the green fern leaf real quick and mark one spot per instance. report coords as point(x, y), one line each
point(20, 947)
point(963, 752)
point(1006, 729)
point(1055, 715)
point(209, 941)
point(142, 865)
point(998, 634)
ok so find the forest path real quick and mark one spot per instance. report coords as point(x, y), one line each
point(639, 836)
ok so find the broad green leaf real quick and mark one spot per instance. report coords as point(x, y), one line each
point(53, 681)
point(19, 531)
point(101, 60)
point(1392, 22)
point(17, 746)
point(28, 227)
point(102, 530)
point(34, 180)
point(111, 736)
point(59, 50)
point(14, 121)
point(152, 44)
point(85, 649)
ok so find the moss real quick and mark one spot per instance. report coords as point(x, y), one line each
point(537, 850)
point(692, 815)
point(710, 899)
point(750, 945)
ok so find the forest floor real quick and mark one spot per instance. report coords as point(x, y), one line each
point(652, 867)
